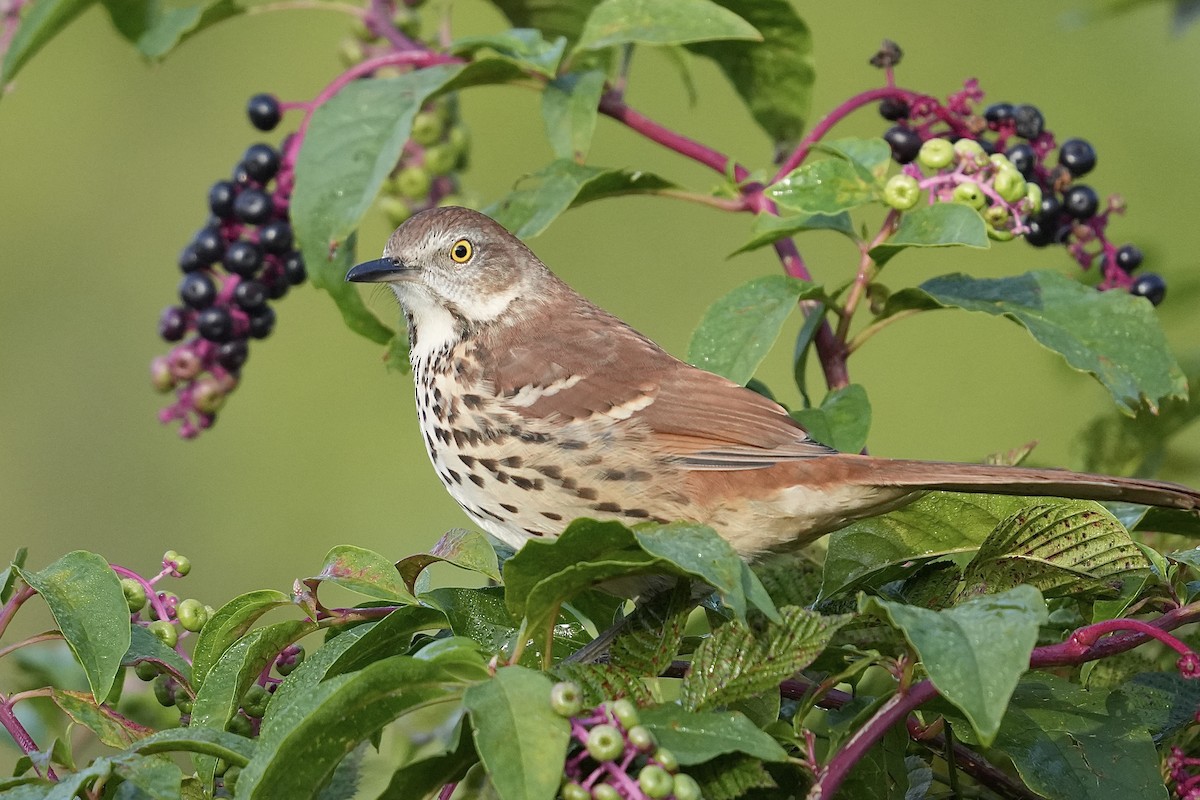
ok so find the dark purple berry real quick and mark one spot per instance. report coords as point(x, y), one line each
point(172, 325)
point(243, 258)
point(276, 237)
point(220, 199)
point(253, 206)
point(293, 269)
point(1150, 286)
point(250, 295)
point(988, 146)
point(1041, 233)
point(197, 290)
point(1051, 207)
point(893, 108)
point(1081, 201)
point(1024, 158)
point(1078, 156)
point(905, 143)
point(262, 322)
point(264, 112)
point(997, 114)
point(241, 176)
point(277, 287)
point(215, 324)
point(1129, 258)
point(1029, 121)
point(232, 354)
point(209, 245)
point(190, 260)
point(261, 162)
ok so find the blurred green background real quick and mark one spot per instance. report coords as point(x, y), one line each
point(107, 161)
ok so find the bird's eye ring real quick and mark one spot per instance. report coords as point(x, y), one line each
point(461, 251)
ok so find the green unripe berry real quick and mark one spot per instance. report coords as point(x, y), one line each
point(165, 632)
point(970, 151)
point(290, 659)
point(135, 594)
point(604, 791)
point(160, 374)
point(440, 159)
point(1033, 197)
point(969, 194)
point(427, 128)
point(1000, 161)
point(184, 704)
point(182, 565)
point(566, 698)
point(164, 691)
point(666, 759)
point(395, 209)
point(146, 670)
point(999, 234)
point(655, 782)
point(995, 215)
point(902, 192)
point(573, 791)
point(459, 139)
point(231, 777)
point(605, 743)
point(936, 154)
point(640, 737)
point(207, 396)
point(1009, 184)
point(241, 726)
point(254, 702)
point(625, 712)
point(351, 52)
point(414, 182)
point(686, 788)
point(191, 614)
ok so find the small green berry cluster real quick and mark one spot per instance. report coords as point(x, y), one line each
point(613, 756)
point(427, 173)
point(963, 173)
point(370, 35)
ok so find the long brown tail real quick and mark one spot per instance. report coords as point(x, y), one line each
point(989, 479)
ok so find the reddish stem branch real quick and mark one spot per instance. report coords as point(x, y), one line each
point(20, 735)
point(14, 602)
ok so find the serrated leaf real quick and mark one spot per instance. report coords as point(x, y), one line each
point(1062, 548)
point(774, 77)
point(694, 737)
point(1113, 336)
point(85, 597)
point(976, 652)
point(829, 187)
point(659, 22)
point(228, 624)
point(364, 572)
point(737, 662)
point(649, 640)
point(110, 727)
point(570, 106)
point(469, 550)
point(526, 47)
point(737, 331)
point(563, 184)
point(730, 777)
point(604, 682)
point(937, 225)
point(518, 736)
point(156, 28)
point(843, 420)
point(769, 229)
point(43, 21)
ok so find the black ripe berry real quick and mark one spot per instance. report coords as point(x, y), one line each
point(1023, 158)
point(250, 295)
point(209, 245)
point(1081, 201)
point(905, 143)
point(1150, 286)
point(1078, 156)
point(893, 108)
point(1129, 257)
point(243, 258)
point(1051, 207)
point(220, 199)
point(196, 290)
point(1041, 232)
point(172, 325)
point(997, 114)
point(277, 287)
point(253, 206)
point(276, 238)
point(264, 112)
point(232, 354)
point(1029, 121)
point(293, 269)
point(215, 324)
point(190, 260)
point(262, 322)
point(261, 162)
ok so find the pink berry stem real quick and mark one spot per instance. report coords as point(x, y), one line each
point(160, 608)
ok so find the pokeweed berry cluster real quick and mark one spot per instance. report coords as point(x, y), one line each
point(1068, 212)
point(612, 756)
point(426, 174)
point(240, 260)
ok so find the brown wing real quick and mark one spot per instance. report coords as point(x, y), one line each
point(589, 364)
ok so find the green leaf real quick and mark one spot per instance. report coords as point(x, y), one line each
point(1062, 548)
point(871, 158)
point(467, 550)
point(697, 736)
point(1112, 335)
point(110, 727)
point(518, 736)
point(738, 330)
point(843, 420)
point(830, 186)
point(364, 572)
point(85, 597)
point(650, 637)
point(156, 28)
point(730, 777)
point(227, 625)
point(769, 228)
point(976, 652)
point(9, 575)
point(207, 741)
point(424, 779)
point(563, 184)
point(155, 778)
point(937, 225)
point(525, 47)
point(43, 21)
point(570, 105)
point(1164, 702)
point(145, 646)
point(658, 22)
point(737, 661)
point(774, 77)
point(552, 17)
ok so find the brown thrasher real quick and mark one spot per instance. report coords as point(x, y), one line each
point(537, 407)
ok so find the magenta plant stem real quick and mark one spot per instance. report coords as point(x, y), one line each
point(379, 20)
point(160, 609)
point(1084, 645)
point(21, 736)
point(14, 602)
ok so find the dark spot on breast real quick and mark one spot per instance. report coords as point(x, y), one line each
point(532, 532)
point(606, 506)
point(639, 513)
point(442, 435)
point(468, 461)
point(472, 400)
point(501, 476)
point(637, 475)
point(512, 461)
point(587, 493)
point(492, 514)
point(530, 436)
point(475, 479)
point(552, 515)
point(572, 444)
point(554, 473)
point(612, 475)
point(437, 395)
point(488, 463)
point(569, 483)
point(525, 483)
point(459, 437)
point(429, 442)
point(509, 508)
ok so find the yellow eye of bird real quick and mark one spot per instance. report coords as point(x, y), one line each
point(462, 251)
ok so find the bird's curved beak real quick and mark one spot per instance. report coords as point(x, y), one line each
point(381, 270)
